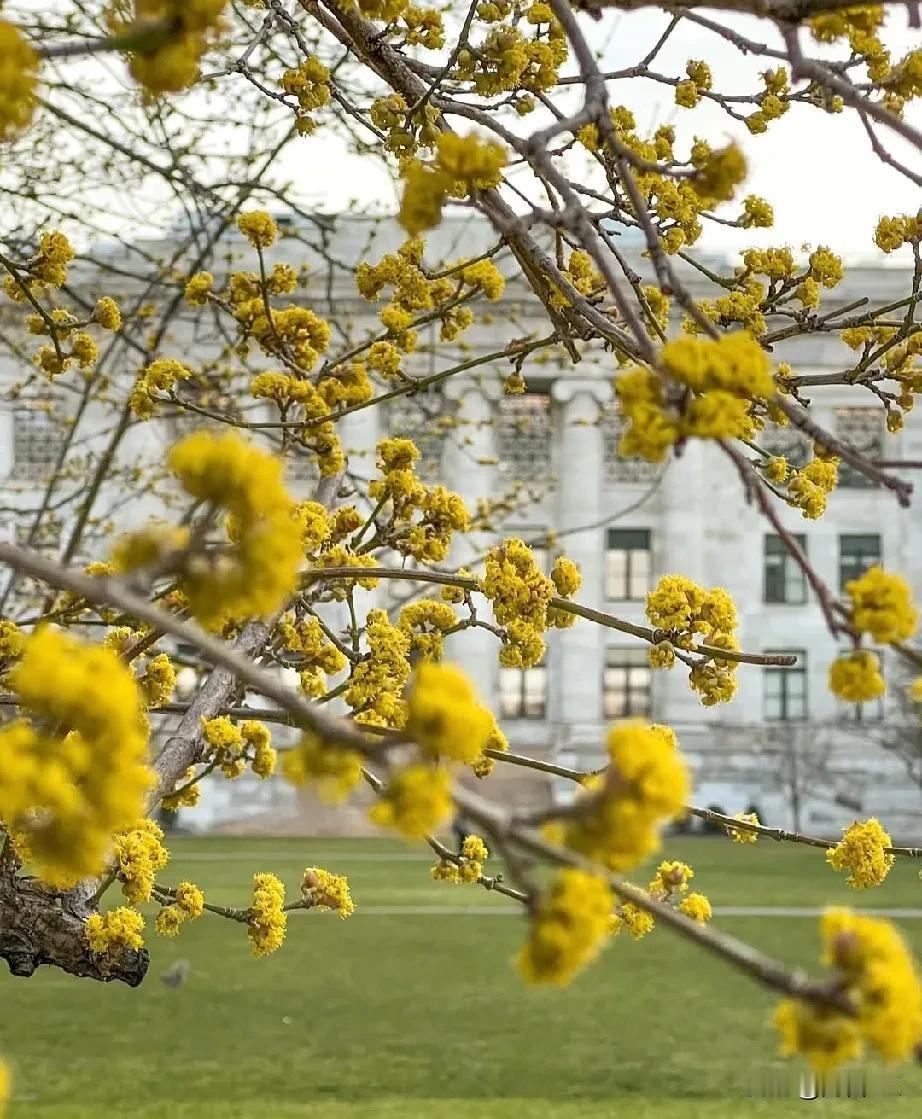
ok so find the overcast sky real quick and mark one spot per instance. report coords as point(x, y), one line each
point(817, 169)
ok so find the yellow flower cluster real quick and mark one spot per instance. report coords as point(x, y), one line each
point(688, 92)
point(172, 63)
point(506, 59)
point(18, 64)
point(324, 890)
point(881, 605)
point(808, 488)
point(263, 756)
point(310, 84)
point(697, 907)
point(71, 788)
point(878, 975)
point(188, 905)
point(107, 313)
point(376, 686)
point(415, 802)
point(683, 608)
point(186, 792)
point(259, 228)
point(139, 853)
point(161, 376)
point(317, 655)
point(645, 785)
point(266, 918)
point(12, 640)
point(496, 740)
point(566, 577)
point(671, 877)
point(892, 233)
point(47, 267)
point(572, 923)
point(461, 164)
point(856, 677)
point(520, 594)
point(334, 770)
point(636, 919)
point(255, 576)
point(228, 746)
point(474, 853)
point(726, 376)
point(426, 622)
point(414, 294)
point(744, 835)
point(862, 851)
point(405, 132)
point(158, 681)
point(198, 288)
point(440, 512)
point(112, 933)
point(444, 715)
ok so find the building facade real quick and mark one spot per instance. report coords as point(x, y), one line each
point(784, 745)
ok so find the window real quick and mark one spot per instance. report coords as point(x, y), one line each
point(626, 683)
point(786, 442)
point(35, 441)
point(857, 552)
point(300, 466)
point(616, 468)
point(784, 580)
point(523, 692)
point(863, 430)
point(785, 689)
point(524, 436)
point(419, 418)
point(627, 563)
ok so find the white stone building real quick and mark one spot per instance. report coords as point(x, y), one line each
point(784, 745)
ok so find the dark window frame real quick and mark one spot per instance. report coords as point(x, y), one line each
point(785, 691)
point(780, 585)
point(627, 541)
point(637, 682)
point(523, 706)
point(860, 559)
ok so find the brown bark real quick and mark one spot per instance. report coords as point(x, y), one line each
point(40, 925)
point(43, 926)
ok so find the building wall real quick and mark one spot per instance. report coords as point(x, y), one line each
point(694, 511)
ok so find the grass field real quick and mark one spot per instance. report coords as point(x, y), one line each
point(412, 1012)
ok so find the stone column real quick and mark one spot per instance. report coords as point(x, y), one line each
point(576, 667)
point(359, 433)
point(688, 503)
point(468, 468)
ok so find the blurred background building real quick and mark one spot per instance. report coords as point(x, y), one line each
point(783, 746)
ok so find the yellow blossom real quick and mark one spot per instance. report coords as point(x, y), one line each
point(744, 835)
point(71, 788)
point(336, 771)
point(862, 852)
point(327, 891)
point(18, 64)
point(645, 785)
point(444, 716)
point(856, 677)
point(266, 919)
point(416, 801)
point(570, 926)
point(882, 605)
point(110, 934)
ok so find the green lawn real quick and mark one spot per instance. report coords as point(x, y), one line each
point(421, 1014)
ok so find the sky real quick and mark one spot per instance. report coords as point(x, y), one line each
point(817, 169)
